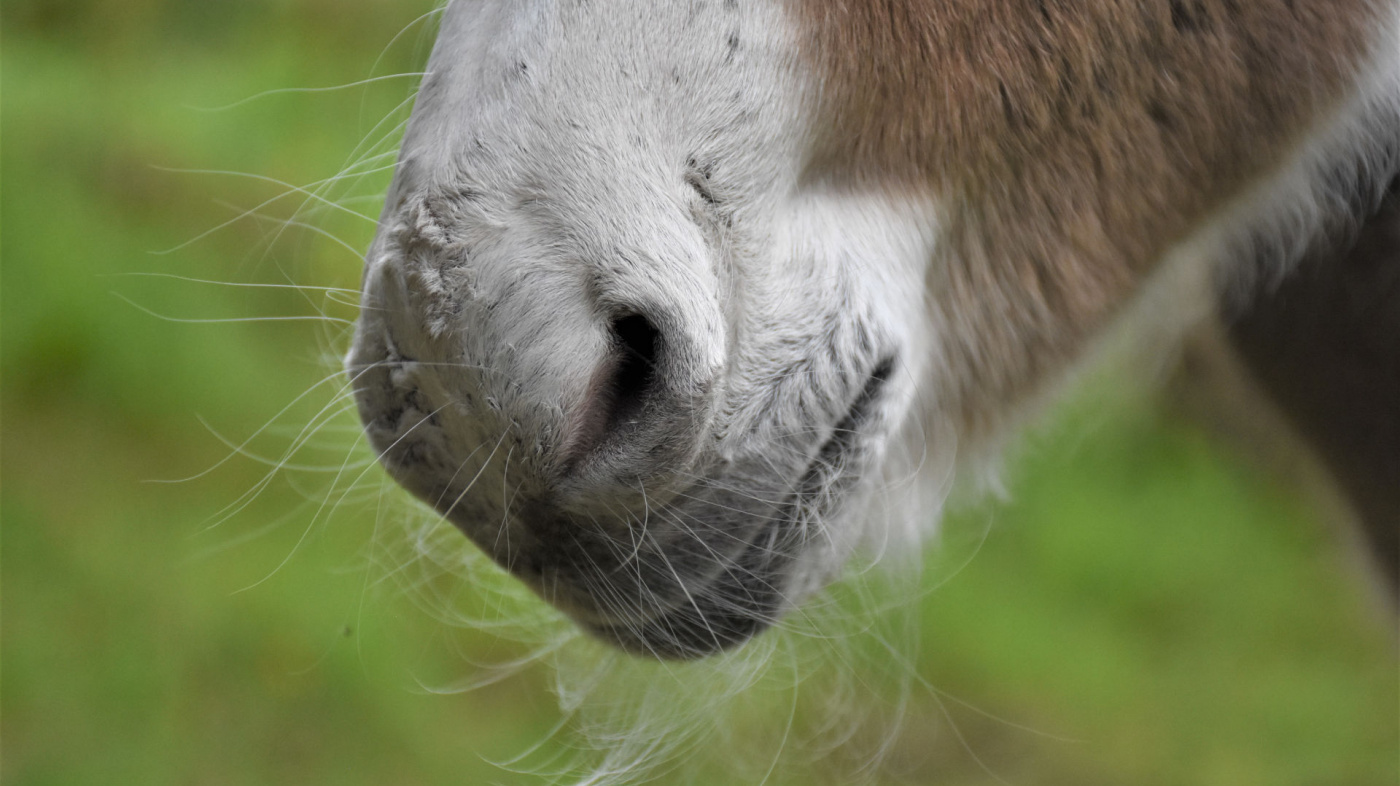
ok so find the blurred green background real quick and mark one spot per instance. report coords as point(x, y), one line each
point(1142, 611)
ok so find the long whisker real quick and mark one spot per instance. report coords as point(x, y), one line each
point(222, 320)
point(242, 284)
point(304, 90)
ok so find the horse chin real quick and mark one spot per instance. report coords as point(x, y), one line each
point(706, 573)
point(706, 567)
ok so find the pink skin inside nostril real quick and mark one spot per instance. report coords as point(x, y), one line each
point(617, 391)
point(586, 425)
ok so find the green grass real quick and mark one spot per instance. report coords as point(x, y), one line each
point(1154, 612)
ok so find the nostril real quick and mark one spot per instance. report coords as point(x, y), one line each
point(623, 386)
point(638, 342)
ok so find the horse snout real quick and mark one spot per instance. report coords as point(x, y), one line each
point(512, 398)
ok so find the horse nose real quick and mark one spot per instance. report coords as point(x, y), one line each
point(612, 397)
point(598, 379)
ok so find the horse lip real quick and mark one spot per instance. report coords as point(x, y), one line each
point(710, 610)
point(773, 547)
point(849, 428)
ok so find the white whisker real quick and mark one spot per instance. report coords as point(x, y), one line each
point(304, 91)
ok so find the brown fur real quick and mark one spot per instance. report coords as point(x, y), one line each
point(1072, 142)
